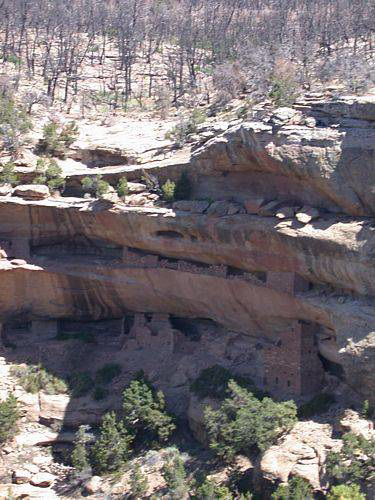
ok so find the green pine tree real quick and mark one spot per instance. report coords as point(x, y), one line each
point(138, 483)
point(174, 475)
point(9, 416)
point(346, 492)
point(145, 411)
point(80, 460)
point(111, 451)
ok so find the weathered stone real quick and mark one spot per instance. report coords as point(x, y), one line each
point(93, 485)
point(32, 192)
point(21, 476)
point(252, 206)
point(18, 262)
point(196, 207)
point(285, 212)
point(282, 115)
point(136, 187)
point(302, 452)
point(307, 214)
point(6, 189)
point(43, 480)
point(269, 209)
point(218, 208)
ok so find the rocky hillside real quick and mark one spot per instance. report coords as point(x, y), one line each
point(266, 268)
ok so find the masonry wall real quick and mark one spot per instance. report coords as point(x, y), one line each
point(291, 365)
point(287, 282)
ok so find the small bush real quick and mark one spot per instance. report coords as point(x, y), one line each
point(174, 475)
point(180, 132)
point(346, 492)
point(95, 185)
point(367, 409)
point(354, 463)
point(8, 176)
point(168, 190)
point(79, 458)
point(14, 123)
point(80, 384)
point(284, 86)
point(112, 449)
point(56, 138)
point(122, 187)
point(9, 416)
point(106, 374)
point(138, 483)
point(184, 187)
point(213, 382)
point(35, 379)
point(212, 491)
point(317, 405)
point(296, 489)
point(99, 393)
point(49, 173)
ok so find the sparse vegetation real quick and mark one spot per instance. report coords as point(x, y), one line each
point(346, 492)
point(48, 172)
point(138, 483)
point(296, 489)
point(95, 185)
point(14, 123)
point(144, 411)
point(185, 127)
point(168, 190)
point(354, 463)
point(175, 477)
point(122, 187)
point(184, 187)
point(9, 417)
point(58, 138)
point(80, 384)
point(212, 491)
point(213, 382)
point(8, 175)
point(317, 405)
point(80, 458)
point(112, 449)
point(107, 373)
point(34, 378)
point(243, 422)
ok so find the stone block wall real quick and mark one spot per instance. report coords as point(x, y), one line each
point(44, 328)
point(291, 365)
point(287, 282)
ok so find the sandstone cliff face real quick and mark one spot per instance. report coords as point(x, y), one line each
point(323, 156)
point(84, 261)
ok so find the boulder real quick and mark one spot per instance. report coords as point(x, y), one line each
point(92, 485)
point(18, 262)
point(136, 187)
point(285, 212)
point(218, 208)
point(6, 189)
point(282, 116)
point(21, 476)
point(352, 422)
point(43, 480)
point(302, 452)
point(32, 192)
point(269, 209)
point(253, 205)
point(307, 214)
point(196, 207)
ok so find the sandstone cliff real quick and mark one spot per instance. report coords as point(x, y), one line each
point(283, 236)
